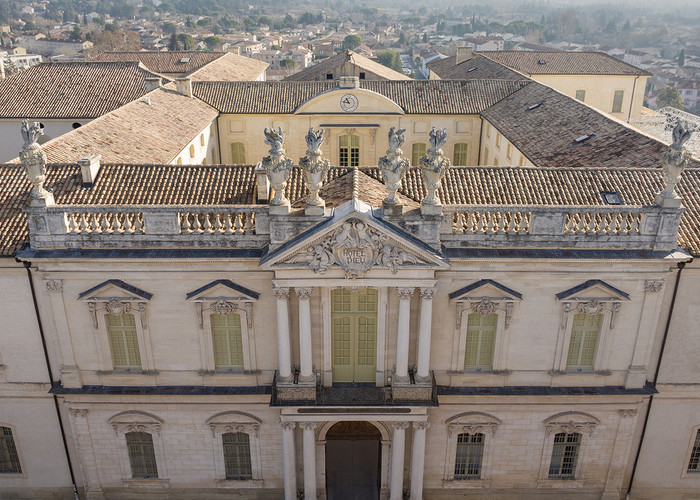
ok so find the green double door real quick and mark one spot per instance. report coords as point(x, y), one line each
point(354, 335)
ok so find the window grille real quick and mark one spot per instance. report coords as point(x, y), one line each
point(349, 151)
point(481, 340)
point(123, 341)
point(237, 153)
point(9, 459)
point(460, 156)
point(419, 149)
point(584, 339)
point(470, 453)
point(694, 462)
point(227, 339)
point(237, 455)
point(617, 101)
point(564, 455)
point(141, 455)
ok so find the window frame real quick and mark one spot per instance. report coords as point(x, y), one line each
point(622, 100)
point(234, 154)
point(480, 367)
point(596, 329)
point(460, 154)
point(131, 460)
point(236, 421)
point(582, 97)
point(129, 367)
point(415, 162)
point(139, 421)
point(562, 456)
point(351, 152)
point(694, 438)
point(22, 470)
point(472, 422)
point(468, 445)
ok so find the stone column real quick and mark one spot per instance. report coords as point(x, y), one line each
point(289, 460)
point(418, 459)
point(86, 455)
point(426, 320)
point(284, 373)
point(398, 447)
point(309, 429)
point(402, 338)
point(305, 345)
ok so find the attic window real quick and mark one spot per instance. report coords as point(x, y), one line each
point(185, 60)
point(583, 138)
point(534, 106)
point(362, 75)
point(542, 61)
point(611, 198)
point(471, 69)
point(329, 76)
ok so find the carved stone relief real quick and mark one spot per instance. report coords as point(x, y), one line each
point(570, 427)
point(224, 306)
point(117, 306)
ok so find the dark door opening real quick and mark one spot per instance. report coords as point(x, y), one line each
point(353, 461)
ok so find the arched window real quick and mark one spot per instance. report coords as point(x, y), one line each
point(349, 148)
point(417, 150)
point(460, 156)
point(237, 455)
point(237, 153)
point(179, 161)
point(470, 454)
point(564, 455)
point(142, 456)
point(227, 341)
point(191, 150)
point(123, 340)
point(201, 140)
point(9, 458)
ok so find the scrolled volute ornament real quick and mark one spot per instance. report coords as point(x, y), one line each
point(433, 168)
point(33, 160)
point(393, 167)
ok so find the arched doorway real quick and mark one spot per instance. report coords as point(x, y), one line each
point(353, 461)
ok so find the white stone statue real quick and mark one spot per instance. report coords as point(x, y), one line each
point(277, 167)
point(314, 139)
point(396, 139)
point(438, 138)
point(34, 162)
point(30, 133)
point(275, 139)
point(315, 169)
point(433, 168)
point(674, 162)
point(393, 167)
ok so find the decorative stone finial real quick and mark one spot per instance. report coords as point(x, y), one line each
point(393, 167)
point(674, 162)
point(315, 169)
point(34, 162)
point(277, 167)
point(433, 168)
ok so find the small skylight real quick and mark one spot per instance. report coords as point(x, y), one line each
point(541, 61)
point(583, 138)
point(534, 106)
point(185, 60)
point(471, 69)
point(611, 198)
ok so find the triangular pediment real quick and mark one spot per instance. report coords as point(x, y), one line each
point(485, 289)
point(593, 290)
point(223, 289)
point(354, 240)
point(112, 289)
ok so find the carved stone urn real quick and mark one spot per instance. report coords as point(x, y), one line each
point(433, 168)
point(33, 160)
point(315, 169)
point(674, 163)
point(277, 167)
point(393, 167)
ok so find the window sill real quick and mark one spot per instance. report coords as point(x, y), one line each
point(466, 483)
point(237, 371)
point(127, 372)
point(244, 483)
point(560, 483)
point(581, 372)
point(146, 483)
point(479, 372)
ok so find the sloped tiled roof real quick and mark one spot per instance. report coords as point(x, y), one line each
point(71, 89)
point(546, 134)
point(477, 67)
point(324, 66)
point(563, 63)
point(181, 61)
point(230, 67)
point(153, 129)
point(227, 184)
point(419, 97)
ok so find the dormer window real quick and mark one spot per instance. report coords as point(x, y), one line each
point(611, 198)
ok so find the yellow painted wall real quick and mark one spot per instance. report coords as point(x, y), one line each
point(497, 150)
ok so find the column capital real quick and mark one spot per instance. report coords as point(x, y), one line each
point(53, 285)
point(280, 293)
point(653, 286)
point(630, 412)
point(405, 293)
point(304, 293)
point(78, 412)
point(427, 293)
point(287, 426)
point(400, 426)
point(308, 425)
point(421, 426)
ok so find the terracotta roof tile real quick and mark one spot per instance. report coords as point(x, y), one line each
point(563, 63)
point(182, 61)
point(230, 67)
point(477, 67)
point(71, 90)
point(324, 66)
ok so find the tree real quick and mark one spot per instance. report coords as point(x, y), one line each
point(681, 58)
point(186, 40)
point(390, 59)
point(174, 43)
point(212, 42)
point(351, 41)
point(169, 27)
point(204, 22)
point(669, 97)
point(402, 38)
point(288, 63)
point(76, 34)
point(10, 67)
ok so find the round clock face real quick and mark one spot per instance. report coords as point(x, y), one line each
point(349, 103)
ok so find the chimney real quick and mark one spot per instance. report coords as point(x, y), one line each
point(349, 82)
point(235, 50)
point(184, 86)
point(89, 167)
point(463, 54)
point(153, 82)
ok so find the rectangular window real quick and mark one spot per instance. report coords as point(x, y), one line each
point(617, 101)
point(227, 340)
point(481, 338)
point(564, 456)
point(694, 462)
point(417, 151)
point(237, 456)
point(123, 341)
point(581, 95)
point(237, 153)
point(470, 453)
point(141, 455)
point(460, 157)
point(584, 339)
point(349, 151)
point(9, 459)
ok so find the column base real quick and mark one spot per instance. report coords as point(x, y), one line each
point(315, 210)
point(279, 209)
point(391, 209)
point(430, 209)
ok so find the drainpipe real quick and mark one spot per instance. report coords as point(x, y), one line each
point(481, 137)
point(681, 266)
point(634, 87)
point(27, 266)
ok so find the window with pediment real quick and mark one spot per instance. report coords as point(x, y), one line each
point(470, 447)
point(589, 313)
point(118, 310)
point(484, 311)
point(236, 442)
point(567, 441)
point(142, 456)
point(139, 445)
point(224, 313)
point(9, 457)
